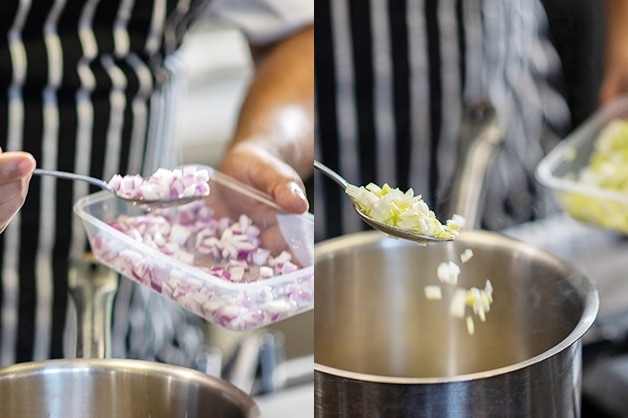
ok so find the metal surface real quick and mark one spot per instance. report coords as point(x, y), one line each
point(478, 140)
point(145, 203)
point(92, 287)
point(387, 229)
point(383, 349)
point(117, 388)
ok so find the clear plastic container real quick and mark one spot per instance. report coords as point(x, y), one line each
point(237, 306)
point(560, 169)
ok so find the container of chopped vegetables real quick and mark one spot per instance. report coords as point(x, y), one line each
point(234, 258)
point(588, 170)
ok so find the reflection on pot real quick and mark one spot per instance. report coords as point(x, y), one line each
point(117, 388)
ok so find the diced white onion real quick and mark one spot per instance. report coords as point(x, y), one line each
point(403, 210)
point(606, 171)
point(466, 255)
point(433, 292)
point(458, 303)
point(448, 272)
point(470, 325)
point(479, 300)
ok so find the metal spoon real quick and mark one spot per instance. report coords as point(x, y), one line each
point(145, 203)
point(388, 229)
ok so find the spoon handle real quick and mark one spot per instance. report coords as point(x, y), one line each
point(331, 174)
point(73, 176)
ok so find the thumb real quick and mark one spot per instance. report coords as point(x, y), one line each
point(291, 197)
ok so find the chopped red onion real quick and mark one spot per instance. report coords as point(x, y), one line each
point(188, 181)
point(225, 248)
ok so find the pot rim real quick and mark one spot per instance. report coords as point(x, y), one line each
point(591, 306)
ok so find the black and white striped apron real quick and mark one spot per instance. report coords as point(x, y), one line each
point(89, 88)
point(391, 80)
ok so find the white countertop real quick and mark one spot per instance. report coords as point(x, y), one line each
point(295, 402)
point(600, 254)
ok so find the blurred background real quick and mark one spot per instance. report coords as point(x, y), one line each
point(577, 31)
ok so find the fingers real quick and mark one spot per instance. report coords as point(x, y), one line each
point(614, 83)
point(263, 171)
point(15, 172)
point(290, 196)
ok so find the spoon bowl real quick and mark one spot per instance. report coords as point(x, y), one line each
point(148, 204)
point(387, 229)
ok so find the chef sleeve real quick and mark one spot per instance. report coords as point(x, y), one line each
point(264, 21)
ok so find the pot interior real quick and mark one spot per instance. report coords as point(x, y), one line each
point(117, 388)
point(372, 316)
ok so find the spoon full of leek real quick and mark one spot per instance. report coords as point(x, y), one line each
point(398, 214)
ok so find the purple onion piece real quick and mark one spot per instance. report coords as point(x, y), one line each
point(186, 182)
point(193, 236)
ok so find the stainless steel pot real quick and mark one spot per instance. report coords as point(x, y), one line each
point(117, 388)
point(383, 350)
point(99, 386)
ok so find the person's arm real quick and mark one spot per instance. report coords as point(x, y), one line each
point(16, 169)
point(615, 80)
point(273, 144)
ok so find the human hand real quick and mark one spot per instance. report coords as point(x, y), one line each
point(257, 167)
point(272, 147)
point(278, 230)
point(615, 82)
point(16, 169)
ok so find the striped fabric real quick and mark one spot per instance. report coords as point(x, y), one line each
point(87, 89)
point(391, 80)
